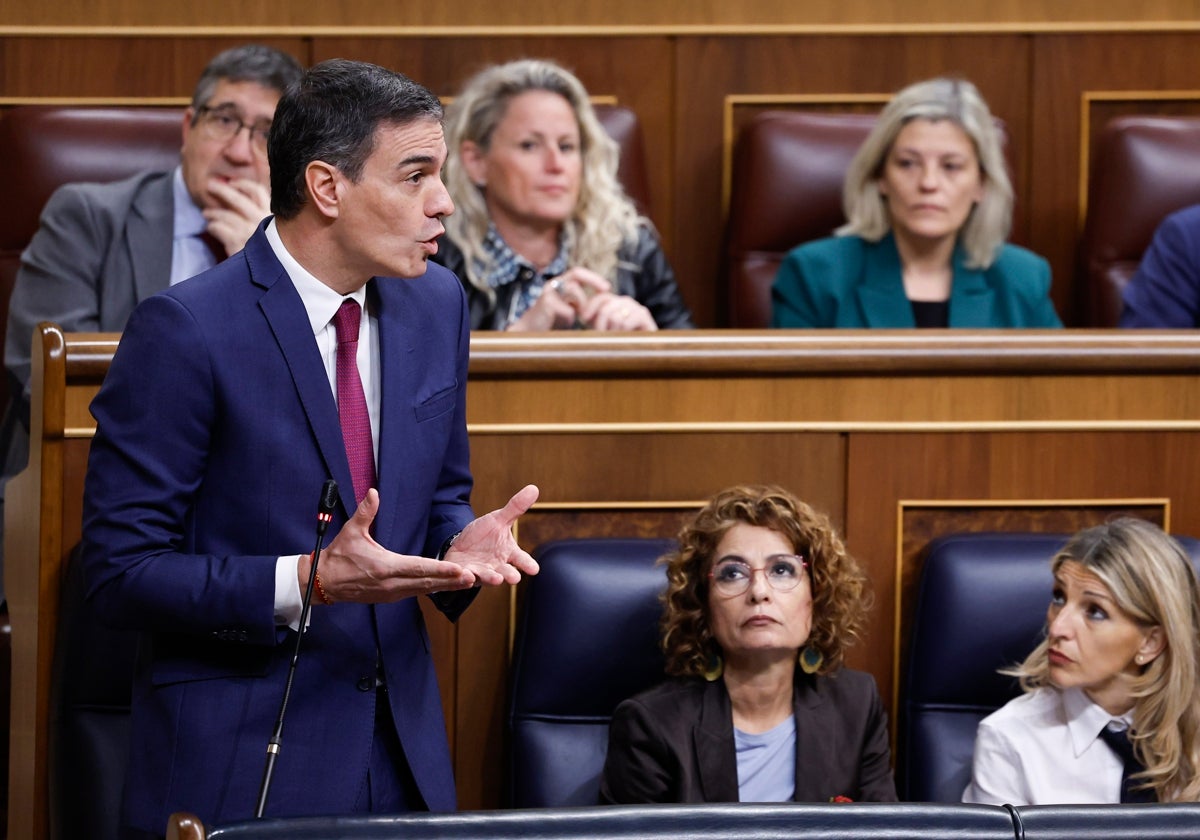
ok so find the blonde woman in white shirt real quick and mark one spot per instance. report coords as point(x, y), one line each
point(1117, 671)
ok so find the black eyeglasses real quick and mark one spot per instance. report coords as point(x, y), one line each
point(731, 576)
point(223, 124)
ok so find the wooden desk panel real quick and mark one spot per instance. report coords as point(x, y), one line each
point(898, 436)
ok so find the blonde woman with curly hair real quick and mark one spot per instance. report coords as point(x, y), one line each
point(1111, 711)
point(544, 237)
point(929, 205)
point(762, 601)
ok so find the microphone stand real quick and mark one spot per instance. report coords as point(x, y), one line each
point(329, 497)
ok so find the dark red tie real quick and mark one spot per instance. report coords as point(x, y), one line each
point(214, 246)
point(352, 403)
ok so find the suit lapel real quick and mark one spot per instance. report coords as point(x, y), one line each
point(712, 739)
point(812, 746)
point(881, 295)
point(150, 235)
point(288, 321)
point(397, 355)
point(972, 301)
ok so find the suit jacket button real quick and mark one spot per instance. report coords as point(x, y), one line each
point(366, 684)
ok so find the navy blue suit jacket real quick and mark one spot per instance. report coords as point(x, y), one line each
point(1165, 291)
point(216, 428)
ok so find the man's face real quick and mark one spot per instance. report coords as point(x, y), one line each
point(209, 154)
point(390, 220)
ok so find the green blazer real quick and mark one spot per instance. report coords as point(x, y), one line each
point(846, 281)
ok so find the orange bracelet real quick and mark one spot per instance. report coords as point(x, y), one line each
point(320, 589)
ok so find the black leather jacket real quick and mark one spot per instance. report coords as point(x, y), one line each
point(643, 273)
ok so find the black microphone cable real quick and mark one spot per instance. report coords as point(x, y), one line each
point(329, 498)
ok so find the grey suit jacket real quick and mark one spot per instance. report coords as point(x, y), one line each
point(674, 743)
point(100, 250)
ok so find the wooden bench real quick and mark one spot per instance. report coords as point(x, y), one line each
point(43, 513)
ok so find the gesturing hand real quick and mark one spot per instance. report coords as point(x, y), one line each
point(487, 548)
point(356, 568)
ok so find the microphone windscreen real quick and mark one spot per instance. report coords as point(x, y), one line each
point(329, 497)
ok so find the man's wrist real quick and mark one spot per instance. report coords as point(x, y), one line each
point(446, 545)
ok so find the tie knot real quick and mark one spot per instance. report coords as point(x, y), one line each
point(1118, 742)
point(346, 321)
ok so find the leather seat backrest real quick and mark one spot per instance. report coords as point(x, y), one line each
point(1166, 821)
point(1143, 169)
point(981, 606)
point(788, 169)
point(586, 640)
point(622, 125)
point(43, 147)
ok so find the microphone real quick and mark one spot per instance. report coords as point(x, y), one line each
point(325, 507)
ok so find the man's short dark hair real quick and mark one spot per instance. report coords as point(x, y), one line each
point(256, 63)
point(332, 116)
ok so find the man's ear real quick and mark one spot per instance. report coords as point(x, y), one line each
point(323, 183)
point(189, 114)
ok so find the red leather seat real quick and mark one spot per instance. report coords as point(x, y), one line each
point(622, 125)
point(788, 169)
point(1143, 169)
point(43, 147)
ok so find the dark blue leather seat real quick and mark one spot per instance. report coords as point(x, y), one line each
point(860, 821)
point(1174, 821)
point(981, 605)
point(587, 639)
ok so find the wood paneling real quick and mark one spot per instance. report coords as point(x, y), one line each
point(115, 67)
point(671, 14)
point(900, 437)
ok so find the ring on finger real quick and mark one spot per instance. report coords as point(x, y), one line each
point(556, 285)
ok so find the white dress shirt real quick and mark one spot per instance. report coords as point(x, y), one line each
point(322, 303)
point(1044, 748)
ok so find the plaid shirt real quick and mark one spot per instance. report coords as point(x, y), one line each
point(500, 266)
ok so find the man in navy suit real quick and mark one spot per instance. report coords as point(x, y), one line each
point(218, 424)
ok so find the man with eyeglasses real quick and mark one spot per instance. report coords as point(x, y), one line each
point(103, 248)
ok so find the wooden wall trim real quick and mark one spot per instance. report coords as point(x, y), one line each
point(604, 30)
point(705, 352)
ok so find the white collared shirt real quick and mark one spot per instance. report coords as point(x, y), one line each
point(1044, 748)
point(322, 303)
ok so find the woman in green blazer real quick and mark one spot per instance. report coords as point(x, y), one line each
point(929, 204)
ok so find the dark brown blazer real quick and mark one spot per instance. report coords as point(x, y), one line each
point(674, 743)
